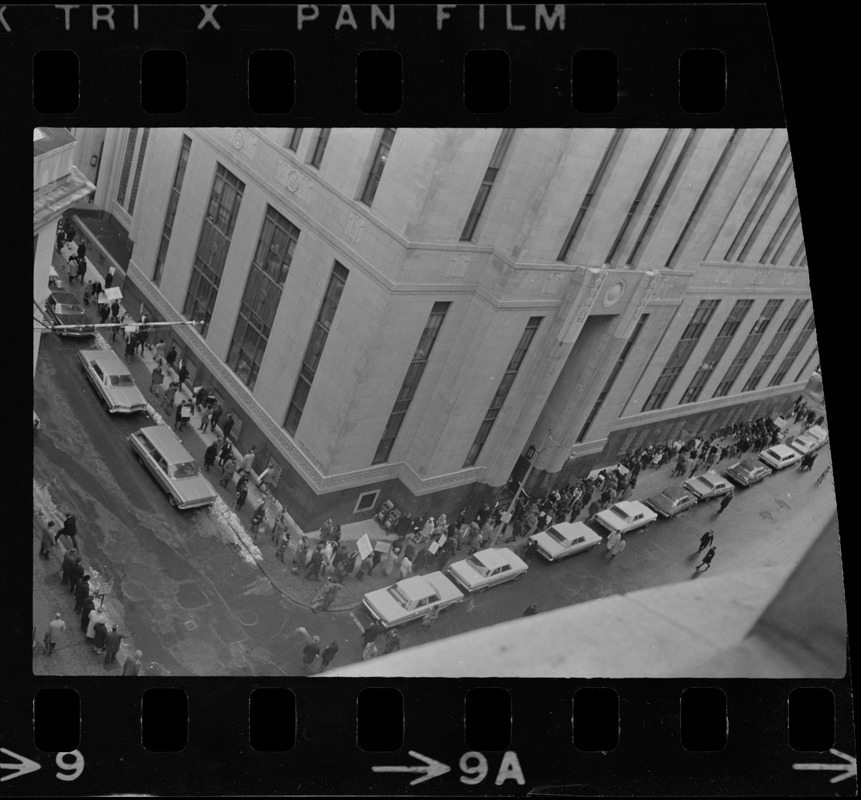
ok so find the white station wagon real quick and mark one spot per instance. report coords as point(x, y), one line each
point(487, 568)
point(113, 381)
point(565, 539)
point(626, 516)
point(780, 456)
point(411, 598)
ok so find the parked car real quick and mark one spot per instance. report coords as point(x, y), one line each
point(673, 500)
point(626, 516)
point(780, 456)
point(162, 453)
point(803, 444)
point(747, 472)
point(819, 433)
point(708, 485)
point(113, 381)
point(565, 539)
point(487, 568)
point(63, 308)
point(411, 599)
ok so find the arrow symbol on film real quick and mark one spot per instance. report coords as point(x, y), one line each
point(849, 769)
point(22, 767)
point(431, 768)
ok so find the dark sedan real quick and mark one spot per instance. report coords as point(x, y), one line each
point(63, 308)
point(673, 500)
point(747, 472)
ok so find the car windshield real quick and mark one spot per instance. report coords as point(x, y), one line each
point(619, 513)
point(477, 566)
point(121, 380)
point(186, 470)
point(68, 308)
point(556, 536)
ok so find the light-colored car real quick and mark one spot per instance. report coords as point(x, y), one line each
point(113, 381)
point(63, 308)
point(565, 539)
point(818, 433)
point(487, 568)
point(162, 453)
point(411, 599)
point(708, 485)
point(673, 500)
point(803, 444)
point(626, 516)
point(747, 472)
point(780, 456)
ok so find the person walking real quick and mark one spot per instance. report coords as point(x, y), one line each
point(707, 559)
point(228, 425)
point(618, 548)
point(227, 471)
point(706, 540)
point(329, 653)
point(612, 540)
point(95, 616)
point(310, 651)
point(88, 605)
point(209, 455)
point(159, 352)
point(248, 460)
point(185, 411)
point(725, 501)
point(182, 374)
point(169, 394)
point(392, 642)
point(47, 540)
point(330, 594)
point(257, 519)
point(371, 633)
point(170, 357)
point(530, 610)
point(157, 380)
point(113, 640)
point(132, 666)
point(215, 415)
point(131, 344)
point(100, 632)
point(177, 416)
point(82, 591)
point(55, 627)
point(241, 495)
point(76, 572)
point(70, 529)
point(429, 618)
point(205, 420)
point(315, 564)
point(406, 567)
point(65, 567)
point(109, 278)
point(225, 453)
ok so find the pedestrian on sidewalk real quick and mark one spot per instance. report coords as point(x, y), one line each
point(88, 292)
point(429, 618)
point(315, 564)
point(132, 666)
point(228, 425)
point(530, 610)
point(215, 415)
point(159, 352)
point(170, 357)
point(82, 591)
point(371, 633)
point(300, 554)
point(618, 548)
point(182, 375)
point(392, 642)
point(706, 540)
point(330, 594)
point(47, 540)
point(248, 460)
point(707, 559)
point(310, 651)
point(96, 615)
point(225, 453)
point(157, 380)
point(328, 654)
point(70, 529)
point(109, 278)
point(87, 607)
point(76, 572)
point(100, 632)
point(82, 264)
point(283, 541)
point(406, 567)
point(55, 627)
point(142, 334)
point(169, 394)
point(200, 397)
point(184, 413)
point(205, 420)
point(113, 640)
point(177, 416)
point(65, 567)
point(726, 500)
point(131, 344)
point(257, 518)
point(209, 455)
point(241, 495)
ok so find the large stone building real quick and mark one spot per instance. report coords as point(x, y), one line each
point(419, 313)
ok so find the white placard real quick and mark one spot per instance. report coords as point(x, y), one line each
point(363, 544)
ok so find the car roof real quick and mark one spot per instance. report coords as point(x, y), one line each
point(803, 437)
point(712, 476)
point(63, 296)
point(675, 492)
point(630, 506)
point(106, 359)
point(491, 558)
point(750, 463)
point(816, 430)
point(571, 530)
point(781, 450)
point(169, 446)
point(416, 588)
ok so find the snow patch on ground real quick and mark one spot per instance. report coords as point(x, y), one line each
point(232, 532)
point(44, 504)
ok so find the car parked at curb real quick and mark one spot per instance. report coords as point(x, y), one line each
point(163, 454)
point(565, 539)
point(780, 456)
point(113, 381)
point(63, 308)
point(818, 433)
point(626, 516)
point(671, 501)
point(708, 485)
point(487, 568)
point(747, 472)
point(803, 444)
point(411, 598)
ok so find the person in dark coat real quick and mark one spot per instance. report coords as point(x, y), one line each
point(132, 666)
point(76, 572)
point(100, 632)
point(109, 278)
point(706, 540)
point(217, 411)
point(725, 501)
point(530, 610)
point(314, 565)
point(371, 633)
point(329, 652)
point(115, 310)
point(113, 640)
point(228, 425)
point(82, 591)
point(200, 398)
point(47, 540)
point(68, 560)
point(225, 453)
point(241, 495)
point(209, 455)
point(88, 605)
point(707, 559)
point(392, 642)
point(171, 356)
point(70, 529)
point(182, 374)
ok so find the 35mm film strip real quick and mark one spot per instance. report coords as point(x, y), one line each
point(230, 697)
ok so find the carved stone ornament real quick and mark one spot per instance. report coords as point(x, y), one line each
point(614, 294)
point(554, 283)
point(458, 266)
point(355, 227)
point(242, 140)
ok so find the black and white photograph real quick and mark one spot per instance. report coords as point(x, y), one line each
point(428, 402)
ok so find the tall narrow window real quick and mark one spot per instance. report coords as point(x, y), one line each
point(138, 170)
point(799, 254)
point(377, 166)
point(215, 235)
point(172, 203)
point(774, 345)
point(803, 370)
point(293, 144)
point(781, 229)
point(680, 355)
point(320, 146)
point(659, 205)
point(766, 213)
point(703, 199)
point(262, 295)
point(411, 381)
point(790, 232)
point(127, 166)
point(760, 199)
point(571, 238)
point(747, 347)
point(645, 187)
point(792, 354)
point(717, 350)
point(502, 390)
point(611, 378)
point(486, 184)
point(314, 351)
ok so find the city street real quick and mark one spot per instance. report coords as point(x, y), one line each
point(199, 606)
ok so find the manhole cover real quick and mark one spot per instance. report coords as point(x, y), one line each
point(247, 618)
point(189, 596)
